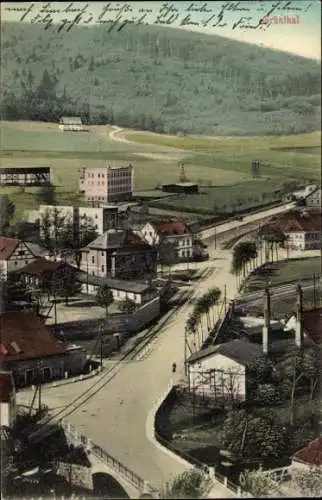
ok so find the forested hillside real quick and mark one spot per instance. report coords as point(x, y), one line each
point(160, 79)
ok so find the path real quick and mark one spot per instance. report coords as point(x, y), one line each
point(115, 418)
point(162, 153)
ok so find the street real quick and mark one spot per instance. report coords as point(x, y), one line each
point(115, 416)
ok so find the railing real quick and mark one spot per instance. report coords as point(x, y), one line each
point(112, 462)
point(211, 471)
point(279, 474)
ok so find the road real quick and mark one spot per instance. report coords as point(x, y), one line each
point(155, 152)
point(115, 418)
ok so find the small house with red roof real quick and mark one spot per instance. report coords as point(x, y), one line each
point(14, 254)
point(301, 228)
point(31, 352)
point(7, 399)
point(309, 456)
point(173, 231)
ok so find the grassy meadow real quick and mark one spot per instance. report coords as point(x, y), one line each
point(222, 166)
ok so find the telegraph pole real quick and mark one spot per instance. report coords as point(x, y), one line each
point(101, 349)
point(314, 292)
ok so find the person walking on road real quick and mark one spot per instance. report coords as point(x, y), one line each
point(174, 367)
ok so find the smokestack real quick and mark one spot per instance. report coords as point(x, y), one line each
point(267, 321)
point(298, 324)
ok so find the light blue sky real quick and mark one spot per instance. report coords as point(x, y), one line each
point(302, 38)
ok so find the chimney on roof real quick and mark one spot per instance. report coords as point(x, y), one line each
point(299, 322)
point(267, 321)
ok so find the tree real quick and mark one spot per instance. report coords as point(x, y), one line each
point(259, 484)
point(243, 253)
point(7, 211)
point(64, 283)
point(168, 254)
point(189, 484)
point(127, 306)
point(309, 481)
point(104, 297)
point(47, 195)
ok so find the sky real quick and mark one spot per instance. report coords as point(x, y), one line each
point(302, 38)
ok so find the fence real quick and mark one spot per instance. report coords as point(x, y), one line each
point(211, 471)
point(128, 475)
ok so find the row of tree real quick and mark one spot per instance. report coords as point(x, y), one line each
point(204, 308)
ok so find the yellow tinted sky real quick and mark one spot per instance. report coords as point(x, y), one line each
point(302, 38)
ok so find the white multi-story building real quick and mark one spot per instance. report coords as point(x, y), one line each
point(107, 184)
point(170, 231)
point(100, 218)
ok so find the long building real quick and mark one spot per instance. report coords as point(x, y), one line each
point(107, 184)
point(25, 176)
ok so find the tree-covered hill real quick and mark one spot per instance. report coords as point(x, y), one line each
point(161, 79)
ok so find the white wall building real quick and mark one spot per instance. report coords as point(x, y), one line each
point(220, 371)
point(14, 254)
point(107, 184)
point(313, 200)
point(172, 231)
point(7, 399)
point(72, 124)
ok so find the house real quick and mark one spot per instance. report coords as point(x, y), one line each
point(120, 254)
point(309, 456)
point(221, 371)
point(32, 353)
point(310, 322)
point(72, 124)
point(7, 399)
point(14, 254)
point(169, 231)
point(138, 291)
point(45, 273)
point(181, 188)
point(107, 184)
point(313, 200)
point(301, 228)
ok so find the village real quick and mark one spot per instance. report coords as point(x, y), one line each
point(93, 284)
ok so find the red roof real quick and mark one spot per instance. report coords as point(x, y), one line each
point(23, 335)
point(312, 453)
point(6, 386)
point(295, 221)
point(41, 267)
point(312, 324)
point(172, 226)
point(7, 247)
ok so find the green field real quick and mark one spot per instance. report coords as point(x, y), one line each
point(222, 167)
point(284, 272)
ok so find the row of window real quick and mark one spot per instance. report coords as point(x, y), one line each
point(116, 173)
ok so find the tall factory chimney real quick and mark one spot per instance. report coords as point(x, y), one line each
point(267, 321)
point(299, 322)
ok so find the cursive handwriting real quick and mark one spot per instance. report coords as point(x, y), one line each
point(116, 16)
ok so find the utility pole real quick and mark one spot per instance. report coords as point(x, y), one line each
point(185, 351)
point(101, 349)
point(225, 298)
point(215, 235)
point(314, 292)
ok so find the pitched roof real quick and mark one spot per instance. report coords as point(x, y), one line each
point(24, 336)
point(6, 386)
point(41, 267)
point(7, 247)
point(172, 226)
point(294, 221)
point(116, 238)
point(312, 324)
point(312, 453)
point(239, 350)
point(114, 284)
point(71, 120)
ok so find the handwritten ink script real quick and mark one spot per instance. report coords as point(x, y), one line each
point(116, 16)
